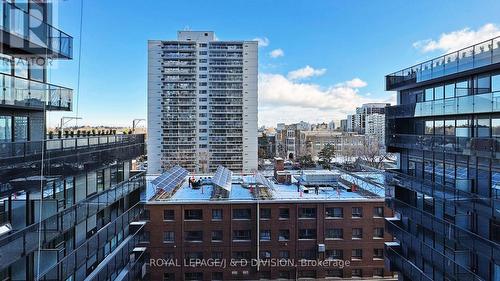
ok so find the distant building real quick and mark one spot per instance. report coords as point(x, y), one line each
point(375, 126)
point(267, 145)
point(202, 103)
point(357, 122)
point(312, 142)
point(343, 125)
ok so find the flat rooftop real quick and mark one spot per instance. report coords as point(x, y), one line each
point(245, 189)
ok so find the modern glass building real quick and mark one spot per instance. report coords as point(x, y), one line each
point(446, 193)
point(67, 203)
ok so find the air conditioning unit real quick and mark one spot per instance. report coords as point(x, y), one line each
point(321, 248)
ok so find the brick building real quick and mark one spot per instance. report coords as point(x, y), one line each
point(190, 230)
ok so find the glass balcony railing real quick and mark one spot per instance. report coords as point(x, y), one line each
point(31, 35)
point(399, 263)
point(19, 243)
point(448, 266)
point(69, 264)
point(484, 147)
point(64, 146)
point(479, 55)
point(20, 92)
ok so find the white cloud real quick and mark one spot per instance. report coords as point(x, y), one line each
point(285, 100)
point(458, 39)
point(353, 83)
point(276, 53)
point(263, 41)
point(305, 72)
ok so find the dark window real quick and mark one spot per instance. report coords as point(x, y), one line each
point(284, 254)
point(168, 215)
point(217, 276)
point(334, 233)
point(196, 214)
point(217, 255)
point(307, 213)
point(284, 235)
point(284, 275)
point(168, 237)
point(265, 235)
point(378, 253)
point(357, 212)
point(241, 234)
point(495, 231)
point(357, 254)
point(307, 254)
point(307, 274)
point(378, 212)
point(265, 275)
point(356, 272)
point(193, 255)
point(265, 213)
point(265, 254)
point(216, 214)
point(144, 238)
point(5, 129)
point(193, 236)
point(378, 272)
point(307, 233)
point(241, 255)
point(241, 214)
point(357, 233)
point(378, 232)
point(168, 276)
point(335, 212)
point(193, 276)
point(334, 254)
point(335, 273)
point(216, 235)
point(284, 213)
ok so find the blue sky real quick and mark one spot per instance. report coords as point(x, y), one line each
point(338, 40)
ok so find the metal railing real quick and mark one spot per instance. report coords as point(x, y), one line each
point(19, 243)
point(478, 55)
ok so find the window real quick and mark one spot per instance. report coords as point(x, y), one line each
point(439, 92)
point(20, 128)
point(193, 255)
point(284, 254)
point(378, 212)
point(449, 127)
point(265, 254)
point(378, 253)
point(483, 128)
point(378, 272)
point(144, 238)
point(240, 255)
point(357, 212)
point(241, 214)
point(217, 235)
point(357, 233)
point(307, 274)
point(335, 273)
point(378, 232)
point(439, 127)
point(217, 255)
point(265, 235)
point(335, 254)
point(168, 215)
point(449, 91)
point(356, 272)
point(265, 275)
point(495, 127)
point(335, 212)
point(284, 235)
point(216, 214)
point(357, 254)
point(265, 213)
point(334, 233)
point(462, 88)
point(241, 234)
point(307, 213)
point(495, 83)
point(482, 84)
point(284, 275)
point(193, 276)
point(284, 213)
point(168, 276)
point(307, 233)
point(5, 129)
point(217, 276)
point(193, 236)
point(307, 254)
point(462, 128)
point(196, 214)
point(429, 94)
point(203, 60)
point(429, 127)
point(168, 237)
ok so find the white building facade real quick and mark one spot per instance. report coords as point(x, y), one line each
point(202, 103)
